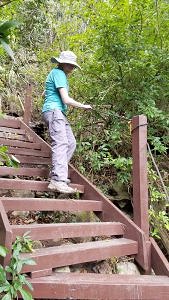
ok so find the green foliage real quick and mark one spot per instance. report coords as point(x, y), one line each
point(6, 159)
point(3, 251)
point(162, 219)
point(159, 218)
point(9, 289)
point(5, 28)
point(123, 166)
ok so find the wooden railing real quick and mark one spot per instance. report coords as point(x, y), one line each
point(140, 181)
point(139, 154)
point(28, 105)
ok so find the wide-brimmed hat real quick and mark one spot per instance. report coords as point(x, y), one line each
point(66, 57)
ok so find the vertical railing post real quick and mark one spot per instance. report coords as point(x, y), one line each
point(5, 234)
point(28, 105)
point(140, 180)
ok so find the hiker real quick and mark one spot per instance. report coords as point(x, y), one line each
point(54, 114)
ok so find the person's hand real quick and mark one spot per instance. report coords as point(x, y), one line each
point(87, 106)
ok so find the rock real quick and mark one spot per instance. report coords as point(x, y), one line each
point(77, 268)
point(60, 242)
point(22, 193)
point(65, 269)
point(127, 268)
point(119, 192)
point(5, 193)
point(21, 214)
point(86, 217)
point(37, 244)
point(82, 239)
point(103, 267)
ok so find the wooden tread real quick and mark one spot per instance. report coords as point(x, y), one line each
point(64, 255)
point(50, 204)
point(23, 171)
point(101, 286)
point(28, 152)
point(68, 230)
point(20, 144)
point(10, 122)
point(31, 185)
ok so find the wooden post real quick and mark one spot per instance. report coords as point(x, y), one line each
point(140, 181)
point(5, 234)
point(28, 105)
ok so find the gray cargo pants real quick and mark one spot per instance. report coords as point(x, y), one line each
point(63, 143)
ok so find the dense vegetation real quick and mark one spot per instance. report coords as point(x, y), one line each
point(123, 48)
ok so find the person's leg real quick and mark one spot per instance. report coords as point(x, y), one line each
point(57, 129)
point(59, 143)
point(71, 142)
point(59, 146)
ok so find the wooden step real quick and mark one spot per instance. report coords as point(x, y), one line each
point(68, 230)
point(29, 152)
point(31, 185)
point(12, 130)
point(64, 255)
point(15, 136)
point(10, 122)
point(90, 286)
point(23, 171)
point(20, 144)
point(32, 160)
point(50, 204)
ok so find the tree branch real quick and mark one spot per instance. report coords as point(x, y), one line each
point(6, 3)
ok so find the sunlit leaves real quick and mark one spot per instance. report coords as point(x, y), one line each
point(5, 28)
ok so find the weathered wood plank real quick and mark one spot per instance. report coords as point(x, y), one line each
point(50, 204)
point(10, 122)
point(31, 185)
point(30, 160)
point(53, 231)
point(140, 181)
point(100, 286)
point(29, 152)
point(15, 136)
point(65, 255)
point(12, 130)
point(41, 273)
point(5, 233)
point(32, 172)
point(20, 144)
point(159, 262)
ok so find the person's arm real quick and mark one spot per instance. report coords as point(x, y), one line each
point(69, 101)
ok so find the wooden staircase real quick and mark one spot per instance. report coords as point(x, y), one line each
point(113, 234)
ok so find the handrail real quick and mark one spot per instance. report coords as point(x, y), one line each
point(139, 153)
point(28, 105)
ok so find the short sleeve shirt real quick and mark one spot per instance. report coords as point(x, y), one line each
point(56, 79)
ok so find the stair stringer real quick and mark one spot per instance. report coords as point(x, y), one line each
point(159, 262)
point(112, 213)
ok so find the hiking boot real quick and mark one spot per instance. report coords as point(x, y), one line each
point(68, 181)
point(61, 187)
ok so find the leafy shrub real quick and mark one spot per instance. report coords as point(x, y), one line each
point(11, 288)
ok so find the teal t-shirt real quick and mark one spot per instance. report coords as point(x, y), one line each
point(56, 79)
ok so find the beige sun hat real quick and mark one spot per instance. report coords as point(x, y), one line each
point(66, 57)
